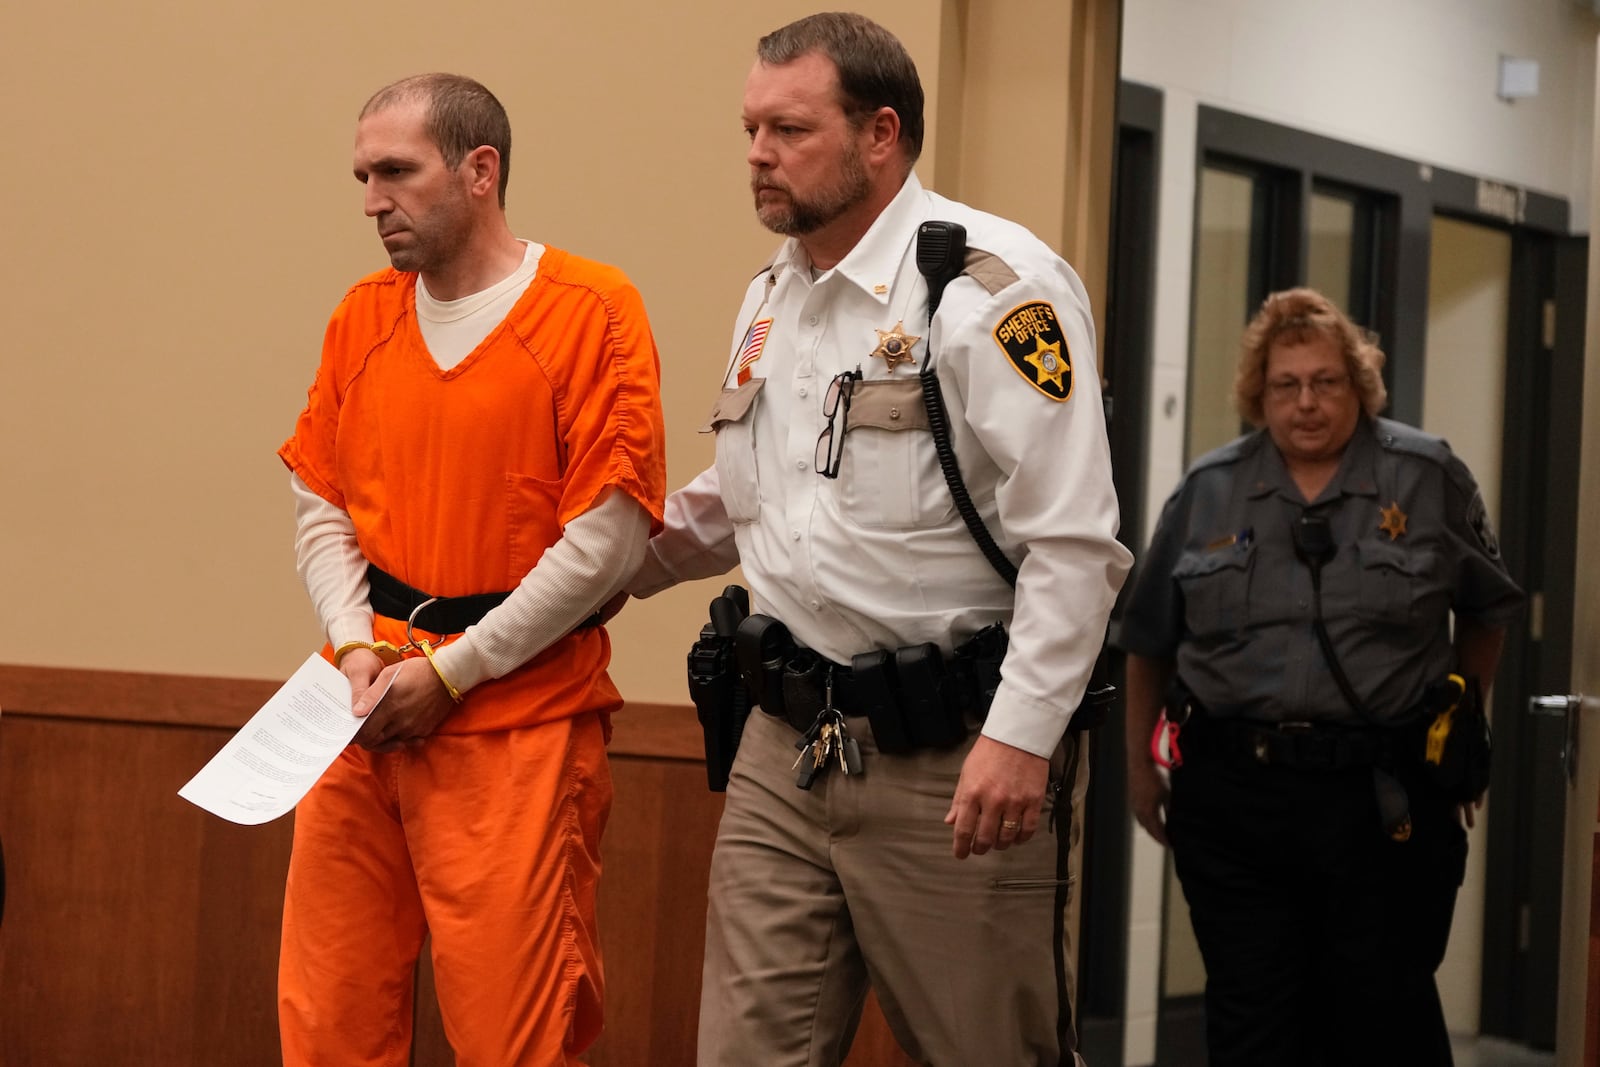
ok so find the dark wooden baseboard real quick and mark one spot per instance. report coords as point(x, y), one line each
point(141, 931)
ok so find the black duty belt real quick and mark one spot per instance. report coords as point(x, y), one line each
point(1294, 745)
point(914, 697)
point(905, 713)
point(395, 599)
point(805, 688)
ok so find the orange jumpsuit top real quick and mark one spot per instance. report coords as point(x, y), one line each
point(457, 481)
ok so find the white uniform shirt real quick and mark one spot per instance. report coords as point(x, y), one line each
point(879, 557)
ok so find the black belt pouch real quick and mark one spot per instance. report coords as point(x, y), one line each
point(804, 686)
point(762, 643)
point(927, 696)
point(872, 674)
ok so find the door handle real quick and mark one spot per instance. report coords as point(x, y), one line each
point(1566, 706)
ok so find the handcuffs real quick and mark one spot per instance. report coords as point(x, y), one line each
point(390, 655)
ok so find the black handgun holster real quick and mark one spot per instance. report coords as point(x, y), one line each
point(721, 698)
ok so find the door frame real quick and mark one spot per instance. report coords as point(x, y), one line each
point(1539, 507)
point(1128, 344)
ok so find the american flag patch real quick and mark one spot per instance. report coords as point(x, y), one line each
point(751, 351)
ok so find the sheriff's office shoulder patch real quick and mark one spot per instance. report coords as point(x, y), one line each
point(1030, 336)
point(1482, 528)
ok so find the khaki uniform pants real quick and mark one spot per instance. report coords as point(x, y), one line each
point(490, 842)
point(814, 894)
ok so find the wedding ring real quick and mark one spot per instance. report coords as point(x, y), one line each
point(1010, 826)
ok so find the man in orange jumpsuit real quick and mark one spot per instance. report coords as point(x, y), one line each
point(481, 457)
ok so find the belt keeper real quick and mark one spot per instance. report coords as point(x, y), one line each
point(427, 650)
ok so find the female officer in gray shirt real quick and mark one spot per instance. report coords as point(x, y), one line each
point(1293, 615)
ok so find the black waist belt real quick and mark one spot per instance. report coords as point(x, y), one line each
point(391, 597)
point(1295, 745)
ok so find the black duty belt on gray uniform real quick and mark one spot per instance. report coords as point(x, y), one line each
point(395, 599)
point(1294, 745)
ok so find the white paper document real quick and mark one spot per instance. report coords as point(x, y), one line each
point(278, 755)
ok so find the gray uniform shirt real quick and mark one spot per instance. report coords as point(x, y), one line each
point(1222, 592)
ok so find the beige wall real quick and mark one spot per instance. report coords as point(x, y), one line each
point(180, 220)
point(183, 220)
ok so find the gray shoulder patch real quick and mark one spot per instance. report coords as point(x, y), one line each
point(988, 270)
point(1482, 528)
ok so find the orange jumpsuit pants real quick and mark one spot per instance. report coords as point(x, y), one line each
point(496, 827)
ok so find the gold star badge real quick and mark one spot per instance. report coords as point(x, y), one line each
point(1394, 520)
point(1047, 358)
point(895, 345)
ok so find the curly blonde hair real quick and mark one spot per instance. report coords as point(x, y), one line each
point(1296, 316)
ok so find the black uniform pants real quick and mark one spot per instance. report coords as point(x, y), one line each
point(1320, 935)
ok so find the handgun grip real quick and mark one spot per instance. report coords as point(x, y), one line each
point(727, 612)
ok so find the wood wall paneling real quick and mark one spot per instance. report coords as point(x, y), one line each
point(138, 929)
point(142, 932)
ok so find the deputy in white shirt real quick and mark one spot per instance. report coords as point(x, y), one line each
point(939, 874)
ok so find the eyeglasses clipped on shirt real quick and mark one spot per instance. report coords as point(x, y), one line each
point(836, 409)
point(1323, 387)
